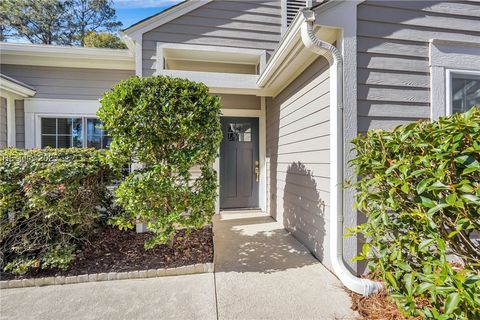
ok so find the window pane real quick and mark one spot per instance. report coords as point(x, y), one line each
point(49, 141)
point(64, 126)
point(93, 127)
point(64, 141)
point(62, 132)
point(96, 137)
point(77, 141)
point(106, 142)
point(465, 93)
point(239, 132)
point(94, 142)
point(77, 132)
point(49, 125)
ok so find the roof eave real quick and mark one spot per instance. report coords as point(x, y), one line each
point(16, 87)
point(62, 56)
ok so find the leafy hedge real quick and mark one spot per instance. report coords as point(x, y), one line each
point(420, 190)
point(49, 204)
point(170, 126)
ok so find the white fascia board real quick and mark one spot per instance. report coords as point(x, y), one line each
point(291, 58)
point(289, 40)
point(162, 18)
point(15, 88)
point(130, 43)
point(62, 56)
point(218, 82)
point(280, 70)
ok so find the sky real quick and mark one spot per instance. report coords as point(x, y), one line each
point(132, 11)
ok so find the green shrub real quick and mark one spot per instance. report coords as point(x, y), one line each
point(170, 125)
point(48, 203)
point(420, 191)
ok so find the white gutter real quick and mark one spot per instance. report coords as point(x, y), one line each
point(335, 59)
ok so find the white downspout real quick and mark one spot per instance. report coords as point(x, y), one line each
point(335, 59)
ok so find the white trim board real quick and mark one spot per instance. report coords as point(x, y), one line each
point(447, 58)
point(218, 82)
point(207, 53)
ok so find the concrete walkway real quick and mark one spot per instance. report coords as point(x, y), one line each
point(179, 297)
point(261, 272)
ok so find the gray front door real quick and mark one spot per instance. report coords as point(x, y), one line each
point(239, 163)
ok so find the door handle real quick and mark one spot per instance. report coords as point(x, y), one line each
point(257, 170)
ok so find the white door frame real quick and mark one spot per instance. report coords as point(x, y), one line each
point(262, 140)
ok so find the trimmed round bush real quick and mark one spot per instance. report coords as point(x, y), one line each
point(49, 202)
point(170, 126)
point(419, 187)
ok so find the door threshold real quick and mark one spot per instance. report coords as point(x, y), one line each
point(241, 214)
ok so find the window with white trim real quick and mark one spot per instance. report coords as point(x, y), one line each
point(454, 76)
point(464, 91)
point(73, 132)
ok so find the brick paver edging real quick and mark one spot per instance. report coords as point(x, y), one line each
point(151, 273)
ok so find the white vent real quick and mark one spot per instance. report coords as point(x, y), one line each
point(292, 8)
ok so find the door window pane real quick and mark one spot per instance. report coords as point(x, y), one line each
point(465, 92)
point(241, 132)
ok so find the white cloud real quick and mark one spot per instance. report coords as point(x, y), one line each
point(144, 3)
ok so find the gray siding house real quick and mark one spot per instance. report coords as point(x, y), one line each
point(298, 80)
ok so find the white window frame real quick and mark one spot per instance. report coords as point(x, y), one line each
point(447, 59)
point(37, 108)
point(84, 126)
point(450, 74)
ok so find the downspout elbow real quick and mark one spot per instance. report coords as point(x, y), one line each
point(335, 59)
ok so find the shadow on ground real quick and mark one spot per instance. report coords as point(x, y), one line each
point(256, 244)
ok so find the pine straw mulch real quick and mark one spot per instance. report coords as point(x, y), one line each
point(377, 307)
point(112, 250)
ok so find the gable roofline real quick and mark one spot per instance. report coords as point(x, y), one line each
point(16, 87)
point(136, 30)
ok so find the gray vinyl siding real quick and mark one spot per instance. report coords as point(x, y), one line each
point(66, 83)
point(3, 122)
point(299, 152)
point(19, 124)
point(238, 101)
point(393, 55)
point(240, 24)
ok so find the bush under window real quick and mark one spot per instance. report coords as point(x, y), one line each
point(49, 202)
point(170, 126)
point(419, 187)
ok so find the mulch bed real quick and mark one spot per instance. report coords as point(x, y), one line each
point(119, 251)
point(375, 307)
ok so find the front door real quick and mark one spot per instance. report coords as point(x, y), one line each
point(239, 163)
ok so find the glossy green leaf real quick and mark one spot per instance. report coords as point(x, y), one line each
point(452, 302)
